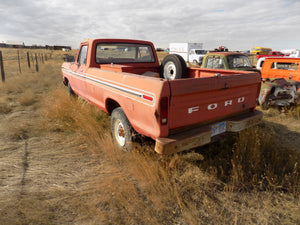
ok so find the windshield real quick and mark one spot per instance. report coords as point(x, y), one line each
point(124, 53)
point(238, 61)
point(200, 52)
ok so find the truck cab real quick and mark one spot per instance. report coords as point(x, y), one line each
point(228, 61)
point(196, 56)
point(190, 52)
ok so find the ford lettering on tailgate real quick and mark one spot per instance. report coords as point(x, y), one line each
point(215, 105)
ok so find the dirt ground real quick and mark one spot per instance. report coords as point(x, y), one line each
point(46, 176)
point(51, 176)
point(285, 127)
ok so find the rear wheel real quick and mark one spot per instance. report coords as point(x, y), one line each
point(173, 67)
point(121, 129)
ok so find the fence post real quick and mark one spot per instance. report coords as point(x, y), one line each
point(2, 68)
point(19, 62)
point(32, 59)
point(28, 60)
point(36, 63)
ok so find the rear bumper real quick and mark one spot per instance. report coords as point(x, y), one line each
point(202, 135)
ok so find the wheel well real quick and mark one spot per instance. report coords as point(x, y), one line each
point(111, 105)
point(272, 90)
point(65, 81)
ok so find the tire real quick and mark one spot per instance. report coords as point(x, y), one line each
point(70, 91)
point(265, 105)
point(121, 129)
point(173, 67)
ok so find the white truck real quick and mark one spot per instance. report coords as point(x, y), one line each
point(190, 52)
point(295, 53)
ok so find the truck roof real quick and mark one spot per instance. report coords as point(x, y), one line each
point(283, 59)
point(110, 40)
point(225, 53)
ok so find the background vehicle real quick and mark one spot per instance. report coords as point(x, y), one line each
point(260, 51)
point(274, 92)
point(287, 68)
point(272, 54)
point(228, 61)
point(295, 54)
point(190, 52)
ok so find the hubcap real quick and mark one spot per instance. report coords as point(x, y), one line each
point(119, 133)
point(169, 71)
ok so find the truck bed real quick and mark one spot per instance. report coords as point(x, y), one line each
point(211, 94)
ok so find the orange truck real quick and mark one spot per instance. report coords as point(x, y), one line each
point(285, 67)
point(180, 108)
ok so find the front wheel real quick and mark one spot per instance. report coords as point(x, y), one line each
point(71, 92)
point(122, 131)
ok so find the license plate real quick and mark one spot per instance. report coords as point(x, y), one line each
point(218, 128)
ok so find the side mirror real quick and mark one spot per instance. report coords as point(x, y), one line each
point(69, 58)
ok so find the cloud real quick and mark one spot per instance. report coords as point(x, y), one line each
point(235, 24)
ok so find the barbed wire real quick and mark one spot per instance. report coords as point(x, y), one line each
point(32, 59)
point(13, 58)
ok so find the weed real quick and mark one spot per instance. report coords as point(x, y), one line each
point(27, 98)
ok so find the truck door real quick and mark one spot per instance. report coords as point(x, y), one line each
point(78, 83)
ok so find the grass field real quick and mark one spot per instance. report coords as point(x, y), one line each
point(58, 165)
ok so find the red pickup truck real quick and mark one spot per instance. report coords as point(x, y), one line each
point(124, 78)
point(272, 54)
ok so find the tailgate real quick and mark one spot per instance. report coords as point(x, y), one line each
point(200, 100)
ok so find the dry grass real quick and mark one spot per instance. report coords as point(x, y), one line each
point(295, 112)
point(193, 187)
point(61, 167)
point(27, 98)
point(4, 105)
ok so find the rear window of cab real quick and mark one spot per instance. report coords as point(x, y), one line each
point(124, 53)
point(285, 66)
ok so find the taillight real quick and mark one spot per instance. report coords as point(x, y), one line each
point(147, 97)
point(164, 110)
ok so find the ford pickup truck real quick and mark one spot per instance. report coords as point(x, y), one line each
point(275, 91)
point(180, 108)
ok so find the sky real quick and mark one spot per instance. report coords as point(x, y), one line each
point(236, 24)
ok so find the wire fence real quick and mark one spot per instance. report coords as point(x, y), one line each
point(31, 59)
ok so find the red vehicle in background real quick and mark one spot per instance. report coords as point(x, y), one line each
point(272, 54)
